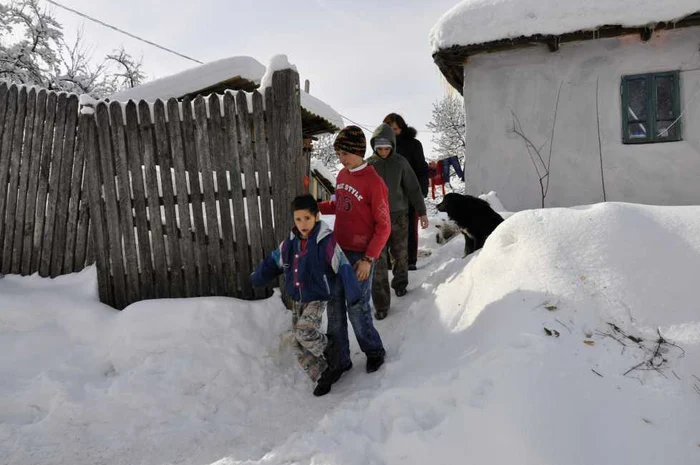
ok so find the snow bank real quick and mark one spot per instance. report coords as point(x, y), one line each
point(479, 21)
point(471, 374)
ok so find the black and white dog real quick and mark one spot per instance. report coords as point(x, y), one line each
point(474, 216)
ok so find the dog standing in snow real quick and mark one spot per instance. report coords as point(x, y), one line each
point(474, 216)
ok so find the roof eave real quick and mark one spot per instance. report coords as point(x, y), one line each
point(451, 60)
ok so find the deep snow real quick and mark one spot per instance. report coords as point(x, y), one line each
point(471, 375)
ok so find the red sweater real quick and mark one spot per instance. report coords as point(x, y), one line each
point(361, 208)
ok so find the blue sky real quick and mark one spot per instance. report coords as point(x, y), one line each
point(364, 58)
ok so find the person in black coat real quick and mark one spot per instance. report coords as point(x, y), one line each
point(411, 149)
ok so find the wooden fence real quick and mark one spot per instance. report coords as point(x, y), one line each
point(43, 213)
point(174, 199)
point(187, 197)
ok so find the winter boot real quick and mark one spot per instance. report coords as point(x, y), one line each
point(374, 362)
point(332, 373)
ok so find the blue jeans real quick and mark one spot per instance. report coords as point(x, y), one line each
point(360, 316)
point(453, 162)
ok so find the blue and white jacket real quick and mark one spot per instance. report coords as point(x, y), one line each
point(310, 274)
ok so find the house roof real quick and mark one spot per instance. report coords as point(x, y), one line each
point(475, 26)
point(234, 73)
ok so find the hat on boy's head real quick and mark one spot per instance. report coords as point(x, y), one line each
point(351, 139)
point(381, 142)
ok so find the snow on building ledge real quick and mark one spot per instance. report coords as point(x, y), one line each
point(481, 21)
point(476, 26)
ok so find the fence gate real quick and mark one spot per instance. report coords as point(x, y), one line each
point(187, 197)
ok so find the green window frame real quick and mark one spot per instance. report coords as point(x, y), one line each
point(651, 108)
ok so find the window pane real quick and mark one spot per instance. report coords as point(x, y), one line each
point(637, 130)
point(637, 99)
point(663, 131)
point(664, 97)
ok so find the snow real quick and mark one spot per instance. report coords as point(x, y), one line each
point(323, 170)
point(277, 63)
point(319, 108)
point(308, 102)
point(194, 79)
point(479, 21)
point(210, 74)
point(471, 375)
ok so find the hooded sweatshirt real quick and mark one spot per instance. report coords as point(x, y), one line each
point(397, 173)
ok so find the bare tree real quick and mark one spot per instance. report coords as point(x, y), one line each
point(535, 152)
point(324, 152)
point(449, 127)
point(33, 50)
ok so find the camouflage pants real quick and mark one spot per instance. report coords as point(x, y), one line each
point(310, 342)
point(397, 249)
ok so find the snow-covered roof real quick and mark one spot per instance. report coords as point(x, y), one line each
point(481, 21)
point(318, 108)
point(197, 79)
point(322, 170)
point(243, 72)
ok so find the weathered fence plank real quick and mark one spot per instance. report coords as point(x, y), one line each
point(98, 233)
point(164, 160)
point(43, 181)
point(233, 165)
point(33, 183)
point(216, 281)
point(126, 222)
point(63, 188)
point(248, 165)
point(25, 161)
point(12, 185)
point(111, 217)
point(183, 205)
point(5, 156)
point(276, 168)
point(70, 264)
point(82, 239)
point(262, 166)
point(216, 136)
point(195, 188)
point(140, 209)
point(56, 160)
point(154, 214)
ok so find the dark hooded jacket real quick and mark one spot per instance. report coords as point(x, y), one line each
point(412, 150)
point(400, 180)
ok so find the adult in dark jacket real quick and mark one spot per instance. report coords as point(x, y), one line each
point(411, 149)
point(404, 190)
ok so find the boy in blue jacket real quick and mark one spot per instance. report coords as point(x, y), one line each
point(311, 260)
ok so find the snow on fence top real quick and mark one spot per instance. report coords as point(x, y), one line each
point(207, 76)
point(195, 79)
point(308, 102)
point(479, 21)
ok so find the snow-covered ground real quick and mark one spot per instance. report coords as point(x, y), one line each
point(520, 353)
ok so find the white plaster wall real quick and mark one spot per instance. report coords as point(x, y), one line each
point(526, 82)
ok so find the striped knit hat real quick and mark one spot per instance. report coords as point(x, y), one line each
point(351, 139)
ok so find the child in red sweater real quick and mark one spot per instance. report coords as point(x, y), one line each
point(362, 227)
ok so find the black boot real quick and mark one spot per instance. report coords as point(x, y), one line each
point(374, 362)
point(332, 373)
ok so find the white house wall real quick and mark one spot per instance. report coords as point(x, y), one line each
point(525, 83)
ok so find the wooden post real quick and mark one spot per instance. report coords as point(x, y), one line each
point(286, 130)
